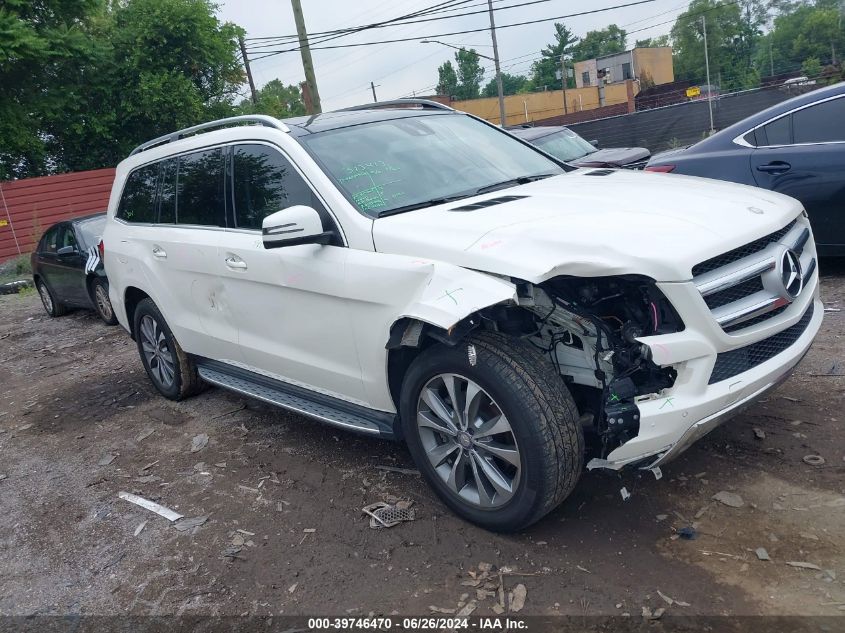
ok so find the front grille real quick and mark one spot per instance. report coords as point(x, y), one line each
point(734, 293)
point(735, 362)
point(758, 319)
point(743, 251)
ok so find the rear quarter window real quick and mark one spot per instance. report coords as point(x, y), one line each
point(137, 203)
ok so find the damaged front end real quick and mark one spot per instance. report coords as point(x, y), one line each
point(589, 329)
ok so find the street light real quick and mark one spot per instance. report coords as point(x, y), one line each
point(494, 59)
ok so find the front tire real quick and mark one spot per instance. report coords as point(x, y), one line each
point(169, 368)
point(49, 301)
point(102, 303)
point(493, 429)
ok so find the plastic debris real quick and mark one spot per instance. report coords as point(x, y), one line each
point(803, 565)
point(688, 533)
point(144, 435)
point(106, 459)
point(386, 515)
point(813, 460)
point(183, 525)
point(517, 598)
point(199, 442)
point(661, 517)
point(729, 499)
point(625, 494)
point(140, 528)
point(759, 433)
point(658, 474)
point(152, 506)
point(762, 554)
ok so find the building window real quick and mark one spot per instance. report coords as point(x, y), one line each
point(585, 78)
point(626, 71)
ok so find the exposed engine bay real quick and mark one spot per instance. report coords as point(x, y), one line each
point(588, 327)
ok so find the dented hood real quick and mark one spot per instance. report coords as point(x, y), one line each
point(591, 222)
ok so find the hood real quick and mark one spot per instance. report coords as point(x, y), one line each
point(613, 157)
point(590, 222)
point(659, 157)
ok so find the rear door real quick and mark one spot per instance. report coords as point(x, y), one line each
point(70, 269)
point(802, 154)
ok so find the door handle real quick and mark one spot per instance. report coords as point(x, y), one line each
point(234, 262)
point(775, 167)
point(159, 252)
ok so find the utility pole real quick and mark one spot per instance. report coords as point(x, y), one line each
point(373, 88)
point(563, 76)
point(307, 64)
point(496, 62)
point(248, 71)
point(771, 59)
point(707, 66)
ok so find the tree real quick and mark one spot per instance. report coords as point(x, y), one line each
point(470, 74)
point(599, 43)
point(447, 80)
point(511, 85)
point(544, 70)
point(276, 99)
point(653, 42)
point(809, 31)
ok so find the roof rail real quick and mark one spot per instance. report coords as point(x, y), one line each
point(422, 103)
point(261, 119)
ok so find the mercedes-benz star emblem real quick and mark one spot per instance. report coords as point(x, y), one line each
point(791, 275)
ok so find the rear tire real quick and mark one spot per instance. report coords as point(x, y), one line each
point(512, 454)
point(169, 368)
point(49, 301)
point(102, 303)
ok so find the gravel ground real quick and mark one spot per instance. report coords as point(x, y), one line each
point(80, 422)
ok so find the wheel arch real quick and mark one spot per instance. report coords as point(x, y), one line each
point(132, 296)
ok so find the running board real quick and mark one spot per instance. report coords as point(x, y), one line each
point(297, 399)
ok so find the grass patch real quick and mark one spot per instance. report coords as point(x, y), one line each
point(16, 268)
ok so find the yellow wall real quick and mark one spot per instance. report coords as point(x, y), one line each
point(542, 105)
point(657, 62)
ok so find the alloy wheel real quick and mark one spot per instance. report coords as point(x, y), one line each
point(103, 302)
point(46, 299)
point(468, 441)
point(157, 351)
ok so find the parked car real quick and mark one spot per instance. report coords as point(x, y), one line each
point(796, 148)
point(563, 143)
point(408, 271)
point(68, 271)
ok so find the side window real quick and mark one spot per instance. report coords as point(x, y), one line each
point(66, 237)
point(167, 192)
point(137, 204)
point(779, 131)
point(820, 123)
point(751, 138)
point(263, 182)
point(199, 195)
point(50, 241)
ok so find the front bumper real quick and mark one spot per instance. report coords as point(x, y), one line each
point(671, 421)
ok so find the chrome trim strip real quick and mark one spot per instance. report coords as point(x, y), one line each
point(734, 278)
point(748, 312)
point(261, 119)
point(799, 243)
point(739, 140)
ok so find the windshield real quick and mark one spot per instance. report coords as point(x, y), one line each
point(565, 145)
point(90, 231)
point(400, 164)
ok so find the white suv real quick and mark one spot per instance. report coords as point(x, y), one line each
point(409, 271)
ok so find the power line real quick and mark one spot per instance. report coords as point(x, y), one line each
point(479, 30)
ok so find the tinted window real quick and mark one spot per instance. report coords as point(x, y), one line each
point(264, 182)
point(67, 238)
point(778, 132)
point(167, 192)
point(137, 204)
point(50, 241)
point(820, 123)
point(90, 231)
point(199, 198)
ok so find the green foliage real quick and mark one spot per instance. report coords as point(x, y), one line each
point(544, 70)
point(447, 80)
point(470, 74)
point(599, 43)
point(653, 42)
point(807, 31)
point(511, 85)
point(275, 99)
point(811, 67)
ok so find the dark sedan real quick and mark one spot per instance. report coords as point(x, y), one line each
point(796, 148)
point(67, 267)
point(566, 145)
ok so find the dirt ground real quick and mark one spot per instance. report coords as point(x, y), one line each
point(80, 422)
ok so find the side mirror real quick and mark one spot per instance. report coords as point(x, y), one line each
point(294, 226)
point(594, 142)
point(66, 250)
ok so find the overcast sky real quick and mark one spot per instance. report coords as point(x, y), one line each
point(399, 69)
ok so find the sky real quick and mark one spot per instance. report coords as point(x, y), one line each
point(404, 68)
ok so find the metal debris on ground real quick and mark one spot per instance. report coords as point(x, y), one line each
point(199, 442)
point(183, 525)
point(386, 515)
point(140, 528)
point(729, 499)
point(803, 565)
point(762, 554)
point(152, 506)
point(625, 494)
point(516, 598)
point(106, 459)
point(814, 460)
